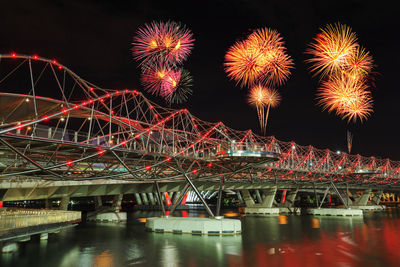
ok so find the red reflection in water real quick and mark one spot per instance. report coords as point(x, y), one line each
point(185, 213)
point(339, 247)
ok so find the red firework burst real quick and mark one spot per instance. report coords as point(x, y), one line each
point(168, 42)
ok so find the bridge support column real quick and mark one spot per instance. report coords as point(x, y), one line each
point(377, 197)
point(288, 206)
point(347, 211)
point(258, 196)
point(108, 214)
point(98, 203)
point(144, 198)
point(117, 202)
point(138, 199)
point(265, 207)
point(247, 198)
point(362, 201)
point(64, 203)
point(239, 196)
point(269, 197)
point(48, 204)
point(151, 198)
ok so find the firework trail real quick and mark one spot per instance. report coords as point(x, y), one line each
point(262, 98)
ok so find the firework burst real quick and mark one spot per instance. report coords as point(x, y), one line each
point(344, 68)
point(168, 42)
point(348, 97)
point(260, 58)
point(242, 63)
point(182, 88)
point(154, 78)
point(332, 49)
point(261, 98)
point(359, 64)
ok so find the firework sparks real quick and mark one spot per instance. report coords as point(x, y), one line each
point(359, 64)
point(182, 89)
point(153, 79)
point(272, 56)
point(261, 57)
point(343, 66)
point(168, 42)
point(262, 98)
point(348, 97)
point(242, 63)
point(332, 49)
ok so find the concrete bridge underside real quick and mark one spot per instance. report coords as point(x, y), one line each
point(14, 190)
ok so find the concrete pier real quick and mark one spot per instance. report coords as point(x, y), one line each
point(369, 207)
point(335, 212)
point(108, 217)
point(261, 211)
point(196, 226)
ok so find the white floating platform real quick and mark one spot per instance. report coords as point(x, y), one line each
point(192, 225)
point(261, 211)
point(10, 247)
point(335, 212)
point(108, 217)
point(369, 207)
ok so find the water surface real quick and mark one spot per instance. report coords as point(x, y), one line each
point(266, 241)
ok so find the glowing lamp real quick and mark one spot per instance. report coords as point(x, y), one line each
point(148, 167)
point(209, 165)
point(35, 57)
point(194, 171)
point(168, 159)
point(13, 54)
point(69, 163)
point(54, 61)
point(45, 118)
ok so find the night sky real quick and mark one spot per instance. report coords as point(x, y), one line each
point(93, 38)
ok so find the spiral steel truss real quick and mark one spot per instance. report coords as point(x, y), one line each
point(57, 126)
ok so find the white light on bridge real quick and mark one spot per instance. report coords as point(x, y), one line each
point(338, 152)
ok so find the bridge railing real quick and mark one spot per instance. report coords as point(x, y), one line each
point(21, 218)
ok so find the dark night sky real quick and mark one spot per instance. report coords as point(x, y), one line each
point(93, 38)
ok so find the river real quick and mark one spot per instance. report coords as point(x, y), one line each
point(373, 240)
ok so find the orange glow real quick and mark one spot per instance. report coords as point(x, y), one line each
point(282, 219)
point(231, 214)
point(315, 222)
point(141, 220)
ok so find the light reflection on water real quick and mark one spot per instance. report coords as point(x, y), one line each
point(266, 241)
